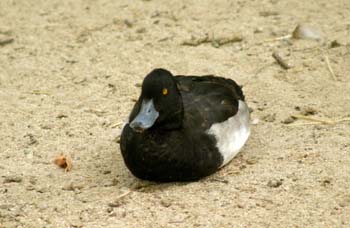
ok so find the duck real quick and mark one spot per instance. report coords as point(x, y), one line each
point(184, 128)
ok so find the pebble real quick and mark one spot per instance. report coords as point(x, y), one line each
point(30, 188)
point(288, 120)
point(345, 201)
point(305, 32)
point(4, 39)
point(6, 206)
point(325, 182)
point(72, 187)
point(42, 189)
point(268, 13)
point(128, 23)
point(165, 203)
point(274, 183)
point(258, 30)
point(13, 179)
point(61, 116)
point(32, 180)
point(32, 139)
point(251, 161)
point(308, 111)
point(269, 117)
point(107, 172)
point(255, 121)
point(141, 30)
point(115, 204)
point(335, 44)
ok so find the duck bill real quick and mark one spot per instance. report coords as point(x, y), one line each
point(146, 117)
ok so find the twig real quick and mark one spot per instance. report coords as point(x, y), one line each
point(116, 125)
point(317, 121)
point(303, 124)
point(285, 37)
point(281, 61)
point(5, 40)
point(38, 92)
point(98, 113)
point(136, 186)
point(313, 119)
point(342, 120)
point(226, 40)
point(196, 41)
point(124, 194)
point(221, 180)
point(216, 42)
point(262, 68)
point(329, 67)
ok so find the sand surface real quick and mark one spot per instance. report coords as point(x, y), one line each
point(68, 71)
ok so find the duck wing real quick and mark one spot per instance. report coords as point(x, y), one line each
point(208, 100)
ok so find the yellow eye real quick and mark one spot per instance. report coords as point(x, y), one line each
point(165, 91)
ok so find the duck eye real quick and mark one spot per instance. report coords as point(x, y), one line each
point(165, 91)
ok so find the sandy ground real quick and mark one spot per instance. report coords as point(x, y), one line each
point(67, 82)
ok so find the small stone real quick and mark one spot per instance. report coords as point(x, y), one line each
point(115, 204)
point(128, 23)
point(13, 179)
point(251, 161)
point(306, 32)
point(30, 188)
point(255, 121)
point(165, 203)
point(61, 116)
point(46, 127)
point(258, 30)
point(32, 180)
point(240, 205)
point(242, 167)
point(141, 30)
point(344, 201)
point(325, 182)
point(72, 187)
point(6, 206)
point(269, 117)
point(110, 183)
point(41, 189)
point(288, 120)
point(107, 172)
point(112, 214)
point(4, 39)
point(155, 14)
point(268, 13)
point(274, 183)
point(32, 140)
point(308, 111)
point(215, 44)
point(335, 44)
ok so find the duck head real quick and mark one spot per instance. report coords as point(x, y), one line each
point(159, 105)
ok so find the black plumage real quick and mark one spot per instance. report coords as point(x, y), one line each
point(177, 146)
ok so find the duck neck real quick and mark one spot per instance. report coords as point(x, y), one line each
point(175, 119)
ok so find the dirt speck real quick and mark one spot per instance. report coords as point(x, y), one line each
point(274, 183)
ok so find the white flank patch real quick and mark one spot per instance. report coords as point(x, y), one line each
point(232, 134)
